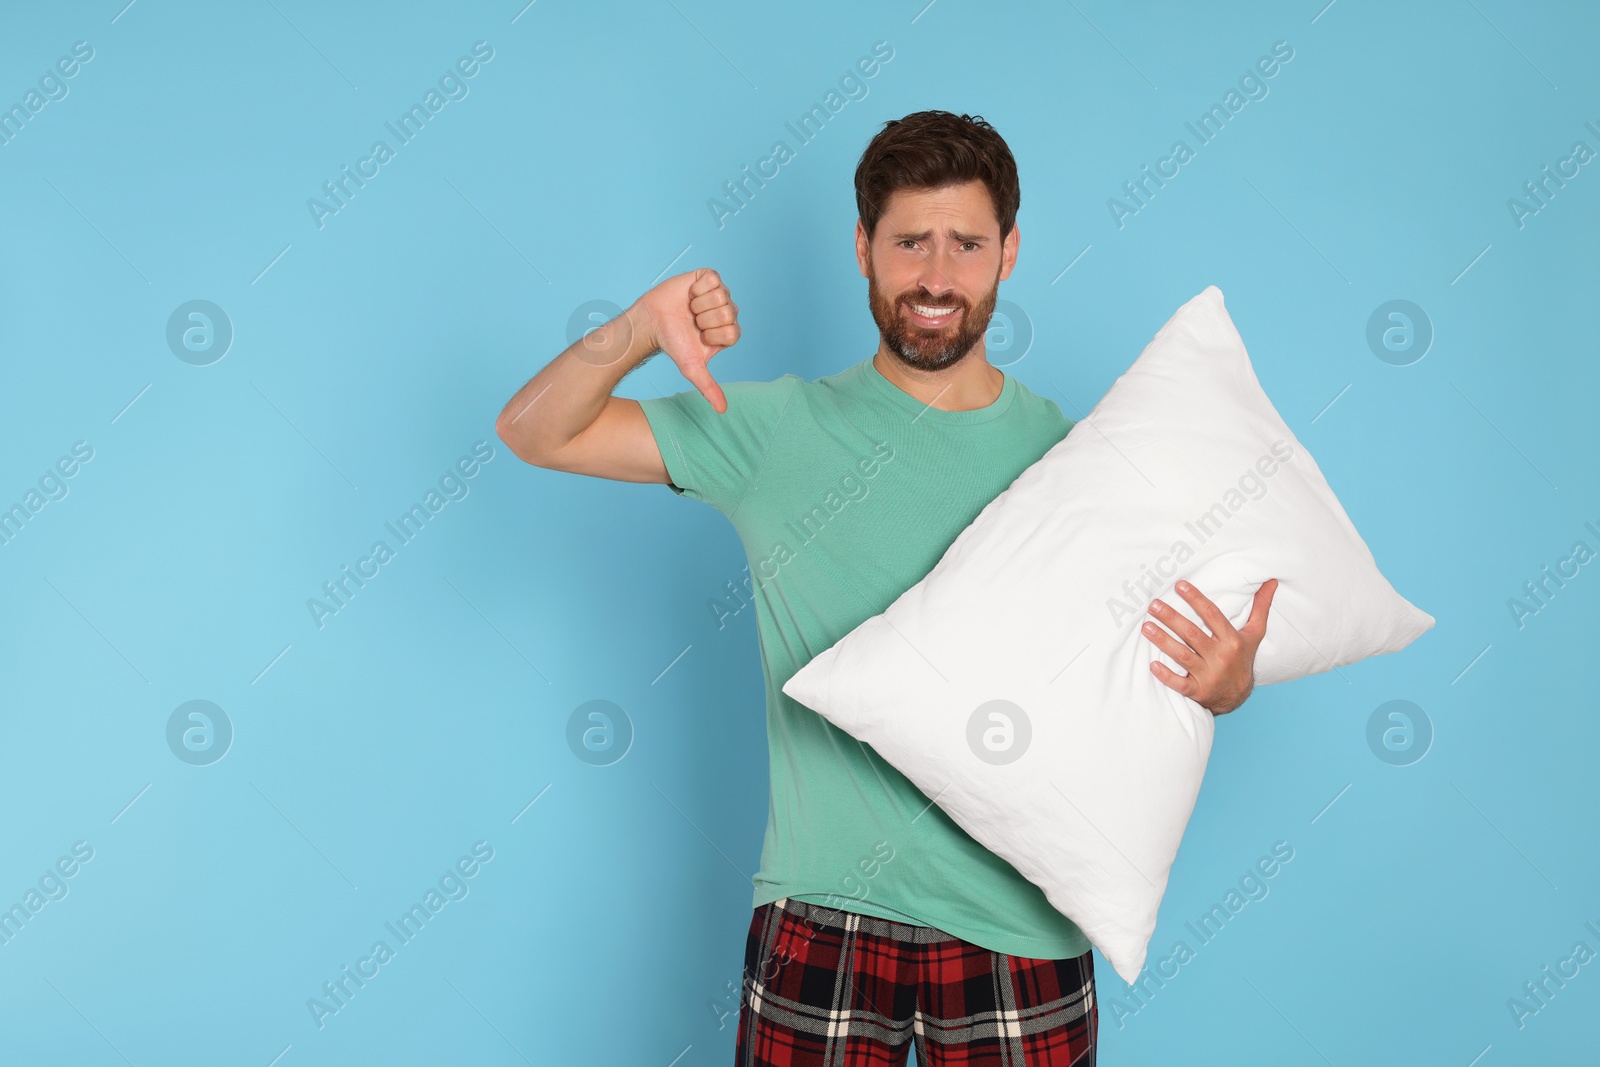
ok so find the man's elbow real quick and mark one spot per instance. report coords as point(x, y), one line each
point(506, 428)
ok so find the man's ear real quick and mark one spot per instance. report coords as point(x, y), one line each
point(1008, 251)
point(863, 249)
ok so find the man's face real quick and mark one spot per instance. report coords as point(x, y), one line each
point(935, 249)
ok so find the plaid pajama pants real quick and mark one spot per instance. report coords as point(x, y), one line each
point(830, 988)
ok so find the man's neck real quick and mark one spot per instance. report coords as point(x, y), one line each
point(966, 385)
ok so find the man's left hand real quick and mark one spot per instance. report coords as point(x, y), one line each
point(1221, 664)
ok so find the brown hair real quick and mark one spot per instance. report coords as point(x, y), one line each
point(931, 149)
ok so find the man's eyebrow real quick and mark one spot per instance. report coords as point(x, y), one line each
point(956, 234)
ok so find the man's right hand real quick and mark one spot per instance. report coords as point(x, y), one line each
point(691, 317)
point(565, 417)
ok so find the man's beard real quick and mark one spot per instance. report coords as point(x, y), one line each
point(924, 347)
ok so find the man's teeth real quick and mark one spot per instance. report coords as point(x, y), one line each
point(931, 313)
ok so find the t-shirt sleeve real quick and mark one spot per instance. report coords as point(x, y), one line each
point(712, 457)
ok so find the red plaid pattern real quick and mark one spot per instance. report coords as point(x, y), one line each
point(829, 988)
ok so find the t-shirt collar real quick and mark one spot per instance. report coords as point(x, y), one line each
point(924, 412)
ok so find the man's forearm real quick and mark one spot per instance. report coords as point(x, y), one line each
point(566, 397)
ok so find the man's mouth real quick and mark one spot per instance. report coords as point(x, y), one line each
point(930, 315)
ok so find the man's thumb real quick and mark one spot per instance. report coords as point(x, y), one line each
point(701, 379)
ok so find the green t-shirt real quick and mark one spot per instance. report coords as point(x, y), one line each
point(846, 491)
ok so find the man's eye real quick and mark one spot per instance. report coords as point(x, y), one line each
point(906, 241)
point(974, 244)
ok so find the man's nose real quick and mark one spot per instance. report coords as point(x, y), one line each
point(934, 275)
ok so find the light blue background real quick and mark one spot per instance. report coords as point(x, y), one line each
point(425, 716)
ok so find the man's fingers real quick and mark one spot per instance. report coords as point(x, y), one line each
point(1181, 653)
point(1209, 613)
point(715, 298)
point(721, 337)
point(715, 324)
point(1183, 684)
point(705, 280)
point(720, 315)
point(1191, 634)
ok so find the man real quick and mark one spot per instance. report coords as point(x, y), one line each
point(878, 922)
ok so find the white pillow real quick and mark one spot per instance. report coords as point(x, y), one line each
point(1012, 684)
